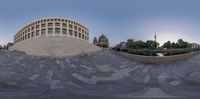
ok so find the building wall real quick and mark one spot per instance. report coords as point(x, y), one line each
point(194, 45)
point(55, 46)
point(53, 27)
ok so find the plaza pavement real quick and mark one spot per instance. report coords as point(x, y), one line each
point(100, 75)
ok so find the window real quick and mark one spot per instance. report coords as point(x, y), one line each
point(32, 28)
point(37, 32)
point(28, 35)
point(43, 25)
point(70, 26)
point(37, 26)
point(50, 24)
point(79, 35)
point(75, 27)
point(32, 34)
point(57, 30)
point(64, 31)
point(25, 36)
point(57, 24)
point(43, 32)
point(50, 30)
point(75, 33)
point(70, 32)
point(82, 36)
point(64, 25)
point(79, 29)
point(29, 30)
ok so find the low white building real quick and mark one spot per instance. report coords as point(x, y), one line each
point(195, 45)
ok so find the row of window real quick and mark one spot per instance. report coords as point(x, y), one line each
point(55, 20)
point(49, 32)
point(50, 25)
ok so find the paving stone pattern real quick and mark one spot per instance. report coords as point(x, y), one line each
point(99, 75)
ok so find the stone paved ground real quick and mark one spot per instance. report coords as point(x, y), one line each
point(100, 75)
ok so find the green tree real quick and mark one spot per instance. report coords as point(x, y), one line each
point(139, 45)
point(151, 44)
point(182, 44)
point(173, 45)
point(167, 45)
point(130, 43)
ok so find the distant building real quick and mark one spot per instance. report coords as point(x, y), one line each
point(9, 45)
point(121, 46)
point(195, 45)
point(95, 41)
point(1, 47)
point(102, 42)
point(6, 46)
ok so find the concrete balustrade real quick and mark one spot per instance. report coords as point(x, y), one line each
point(157, 59)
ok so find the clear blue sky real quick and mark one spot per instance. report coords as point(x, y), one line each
point(117, 19)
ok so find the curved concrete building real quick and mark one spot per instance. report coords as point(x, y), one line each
point(54, 37)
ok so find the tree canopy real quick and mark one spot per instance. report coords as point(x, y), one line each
point(131, 44)
point(179, 44)
point(151, 45)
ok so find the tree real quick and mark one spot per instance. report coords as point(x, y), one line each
point(129, 43)
point(151, 44)
point(167, 45)
point(139, 45)
point(156, 44)
point(182, 44)
point(179, 44)
point(173, 45)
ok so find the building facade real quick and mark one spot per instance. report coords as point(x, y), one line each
point(54, 36)
point(195, 45)
point(102, 42)
point(53, 27)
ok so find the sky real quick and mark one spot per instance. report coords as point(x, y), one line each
point(119, 20)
